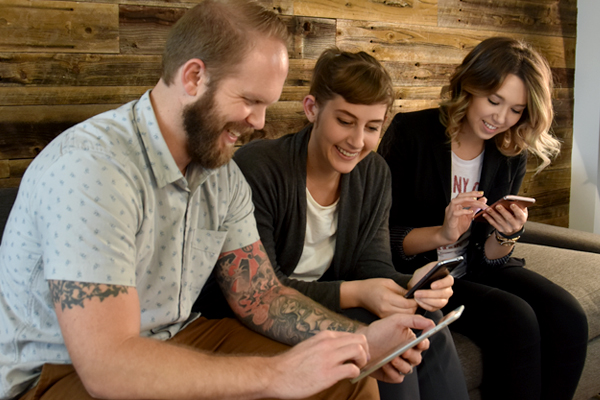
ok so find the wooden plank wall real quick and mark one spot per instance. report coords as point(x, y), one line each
point(64, 61)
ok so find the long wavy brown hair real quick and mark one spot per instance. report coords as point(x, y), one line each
point(482, 72)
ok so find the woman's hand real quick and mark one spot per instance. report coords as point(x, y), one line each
point(506, 221)
point(459, 214)
point(388, 333)
point(381, 296)
point(435, 298)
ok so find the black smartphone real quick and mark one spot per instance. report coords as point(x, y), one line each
point(439, 271)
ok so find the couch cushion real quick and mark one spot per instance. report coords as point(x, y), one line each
point(576, 271)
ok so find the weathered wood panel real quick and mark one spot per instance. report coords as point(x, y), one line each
point(553, 18)
point(423, 44)
point(48, 84)
point(279, 6)
point(41, 26)
point(64, 70)
point(416, 12)
point(144, 31)
point(311, 36)
point(56, 95)
point(78, 69)
point(4, 169)
point(102, 70)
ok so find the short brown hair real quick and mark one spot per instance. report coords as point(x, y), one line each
point(358, 77)
point(220, 33)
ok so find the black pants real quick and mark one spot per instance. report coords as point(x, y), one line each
point(439, 376)
point(533, 333)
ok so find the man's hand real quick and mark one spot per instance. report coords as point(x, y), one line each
point(317, 363)
point(388, 333)
point(435, 298)
point(383, 297)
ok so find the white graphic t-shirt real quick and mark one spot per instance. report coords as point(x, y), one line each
point(465, 178)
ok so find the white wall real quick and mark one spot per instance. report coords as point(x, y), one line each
point(585, 173)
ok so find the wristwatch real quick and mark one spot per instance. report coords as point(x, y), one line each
point(507, 241)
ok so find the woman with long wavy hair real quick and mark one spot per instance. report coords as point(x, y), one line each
point(451, 161)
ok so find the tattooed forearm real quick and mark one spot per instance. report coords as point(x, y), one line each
point(299, 317)
point(71, 294)
point(258, 298)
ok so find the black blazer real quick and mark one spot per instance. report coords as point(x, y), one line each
point(418, 152)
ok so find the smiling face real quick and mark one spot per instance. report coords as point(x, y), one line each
point(343, 133)
point(495, 113)
point(235, 105)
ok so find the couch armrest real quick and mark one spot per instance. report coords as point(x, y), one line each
point(556, 236)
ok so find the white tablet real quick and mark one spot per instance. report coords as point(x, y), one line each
point(379, 362)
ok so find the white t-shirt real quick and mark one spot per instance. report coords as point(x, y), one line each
point(465, 178)
point(319, 242)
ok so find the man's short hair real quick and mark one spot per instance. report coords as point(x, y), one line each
point(220, 33)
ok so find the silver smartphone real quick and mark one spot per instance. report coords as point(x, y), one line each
point(388, 356)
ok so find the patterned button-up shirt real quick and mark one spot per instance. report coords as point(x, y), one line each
point(105, 203)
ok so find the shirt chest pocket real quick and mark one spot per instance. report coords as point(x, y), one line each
point(203, 254)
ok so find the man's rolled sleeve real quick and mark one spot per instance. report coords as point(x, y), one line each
point(239, 223)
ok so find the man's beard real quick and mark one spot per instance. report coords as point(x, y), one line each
point(204, 126)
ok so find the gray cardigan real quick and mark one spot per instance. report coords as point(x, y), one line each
point(276, 172)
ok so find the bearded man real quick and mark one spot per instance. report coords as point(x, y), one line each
point(120, 221)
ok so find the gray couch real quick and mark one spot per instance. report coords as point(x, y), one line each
point(569, 258)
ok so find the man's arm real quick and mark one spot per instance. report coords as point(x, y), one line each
point(265, 305)
point(100, 325)
point(256, 296)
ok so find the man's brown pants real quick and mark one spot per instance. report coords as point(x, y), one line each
point(224, 336)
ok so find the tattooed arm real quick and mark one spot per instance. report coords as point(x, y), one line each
point(258, 298)
point(100, 325)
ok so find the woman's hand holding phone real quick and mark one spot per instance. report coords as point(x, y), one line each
point(431, 286)
point(385, 334)
point(509, 214)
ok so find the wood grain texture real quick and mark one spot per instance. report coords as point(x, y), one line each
point(64, 69)
point(60, 95)
point(553, 17)
point(4, 169)
point(64, 61)
point(417, 12)
point(424, 44)
point(41, 26)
